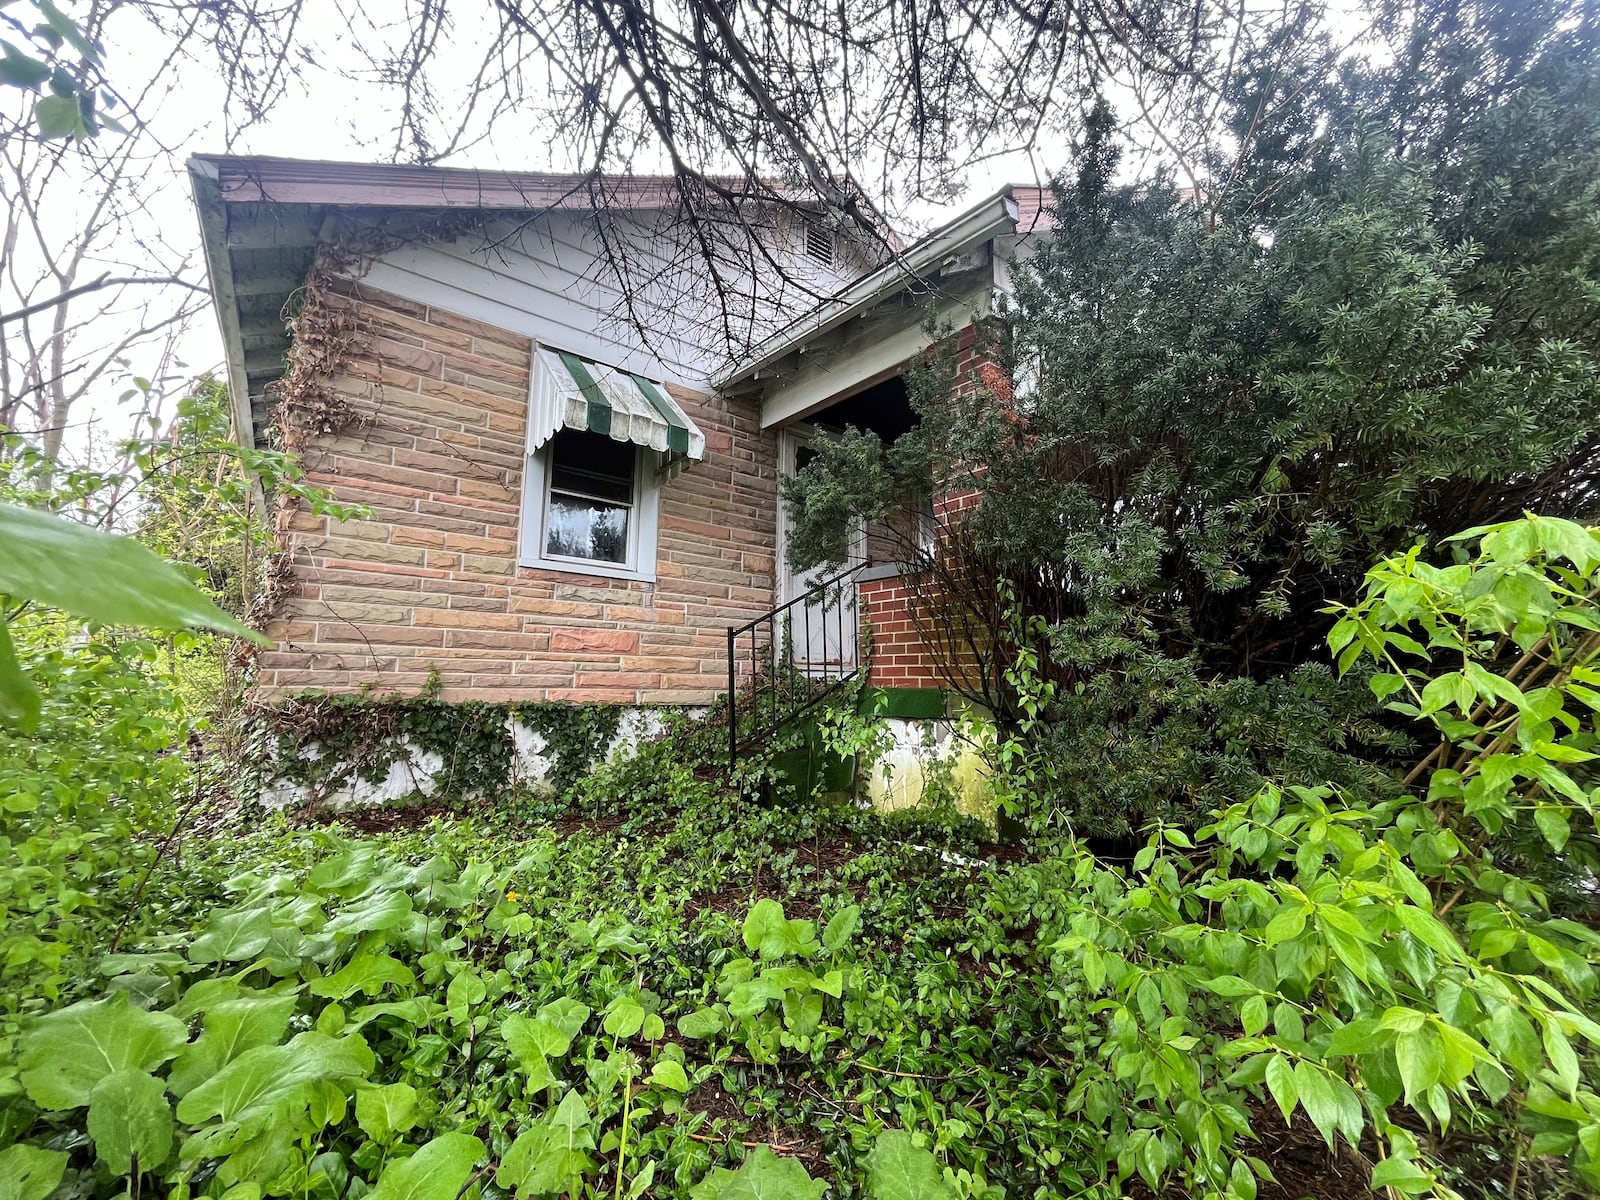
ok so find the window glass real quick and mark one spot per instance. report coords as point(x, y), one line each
point(591, 497)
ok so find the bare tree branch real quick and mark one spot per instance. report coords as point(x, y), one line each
point(105, 281)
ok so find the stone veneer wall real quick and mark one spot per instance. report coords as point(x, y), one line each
point(431, 583)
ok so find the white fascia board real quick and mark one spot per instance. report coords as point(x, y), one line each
point(213, 215)
point(817, 386)
point(993, 218)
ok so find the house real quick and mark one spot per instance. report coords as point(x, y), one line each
point(568, 428)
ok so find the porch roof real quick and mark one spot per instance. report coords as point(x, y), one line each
point(921, 263)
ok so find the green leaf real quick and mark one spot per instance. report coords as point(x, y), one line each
point(467, 990)
point(1562, 1056)
point(1281, 1083)
point(527, 1039)
point(56, 117)
point(1253, 1015)
point(1361, 1036)
point(93, 575)
point(1289, 923)
point(68, 29)
point(377, 913)
point(1401, 1174)
point(1440, 692)
point(1401, 1019)
point(1420, 1059)
point(703, 1023)
point(641, 1182)
point(1318, 1098)
point(670, 1075)
point(130, 1119)
point(841, 928)
point(624, 1018)
point(769, 934)
point(1433, 933)
point(546, 1157)
point(438, 1171)
point(1552, 822)
point(368, 974)
point(802, 1014)
point(898, 1169)
point(29, 1173)
point(1568, 540)
point(541, 1163)
point(382, 1112)
point(69, 1051)
point(19, 70)
point(231, 1027)
point(1385, 685)
point(535, 1033)
point(566, 1015)
point(1230, 985)
point(19, 699)
point(352, 870)
point(259, 1078)
point(1512, 1036)
point(234, 936)
point(763, 1176)
point(572, 1118)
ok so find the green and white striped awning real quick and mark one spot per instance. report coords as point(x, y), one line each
point(568, 392)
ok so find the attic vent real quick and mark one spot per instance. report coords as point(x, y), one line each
point(819, 243)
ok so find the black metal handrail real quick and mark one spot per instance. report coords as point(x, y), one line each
point(784, 700)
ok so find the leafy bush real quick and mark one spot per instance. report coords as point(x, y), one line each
point(106, 761)
point(343, 1028)
point(1390, 969)
point(709, 998)
point(1209, 409)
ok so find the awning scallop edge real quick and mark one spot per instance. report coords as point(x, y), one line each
point(569, 392)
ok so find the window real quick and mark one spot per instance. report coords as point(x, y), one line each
point(589, 507)
point(601, 442)
point(590, 512)
point(927, 525)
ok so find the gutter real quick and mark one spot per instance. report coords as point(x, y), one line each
point(996, 216)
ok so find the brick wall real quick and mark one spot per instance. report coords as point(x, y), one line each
point(899, 659)
point(431, 581)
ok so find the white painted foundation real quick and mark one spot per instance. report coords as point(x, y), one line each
point(923, 752)
point(420, 773)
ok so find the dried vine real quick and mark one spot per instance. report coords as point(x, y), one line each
point(326, 335)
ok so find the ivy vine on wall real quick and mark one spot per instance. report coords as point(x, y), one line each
point(322, 743)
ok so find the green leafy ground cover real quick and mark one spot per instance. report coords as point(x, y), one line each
point(655, 987)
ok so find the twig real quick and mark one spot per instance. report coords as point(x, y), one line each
point(477, 1175)
point(149, 868)
point(714, 1141)
point(905, 1074)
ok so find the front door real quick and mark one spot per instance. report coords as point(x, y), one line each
point(822, 630)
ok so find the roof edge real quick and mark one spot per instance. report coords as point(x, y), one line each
point(994, 217)
point(210, 208)
point(274, 180)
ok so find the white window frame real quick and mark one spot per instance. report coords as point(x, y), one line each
point(641, 559)
point(926, 515)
